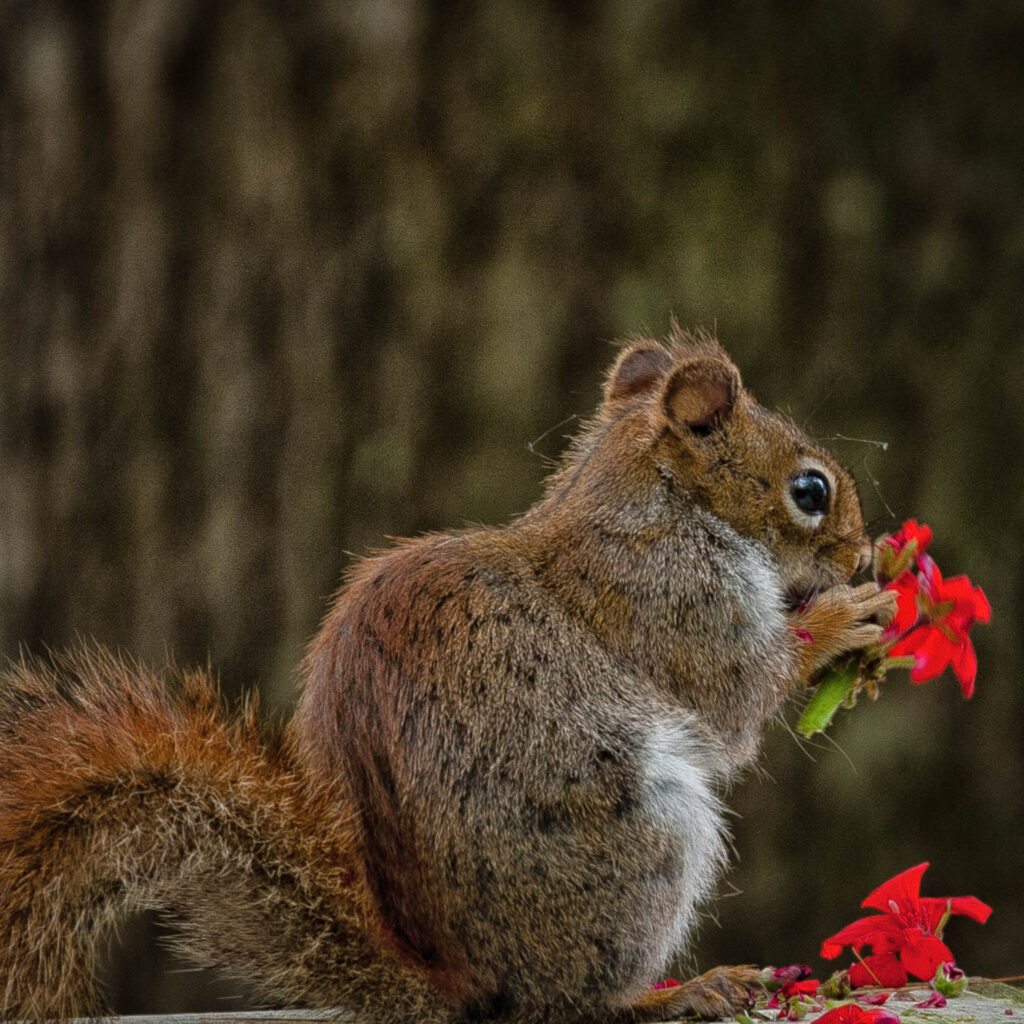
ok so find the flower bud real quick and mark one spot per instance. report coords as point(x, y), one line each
point(837, 986)
point(775, 977)
point(891, 561)
point(949, 980)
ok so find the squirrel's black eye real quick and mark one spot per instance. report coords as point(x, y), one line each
point(811, 492)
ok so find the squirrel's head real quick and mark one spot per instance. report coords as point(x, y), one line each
point(705, 435)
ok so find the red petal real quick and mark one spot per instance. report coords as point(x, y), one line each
point(875, 998)
point(903, 890)
point(911, 642)
point(851, 1013)
point(882, 1017)
point(933, 908)
point(921, 532)
point(930, 913)
point(906, 589)
point(970, 906)
point(883, 969)
point(962, 590)
point(965, 667)
point(860, 977)
point(875, 931)
point(909, 531)
point(923, 954)
point(970, 601)
point(982, 609)
point(959, 588)
point(932, 656)
point(808, 987)
point(929, 576)
point(848, 1014)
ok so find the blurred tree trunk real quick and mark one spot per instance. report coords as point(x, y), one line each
point(185, 253)
point(186, 247)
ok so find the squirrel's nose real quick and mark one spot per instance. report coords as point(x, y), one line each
point(866, 554)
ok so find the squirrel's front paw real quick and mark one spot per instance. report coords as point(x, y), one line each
point(840, 620)
point(720, 992)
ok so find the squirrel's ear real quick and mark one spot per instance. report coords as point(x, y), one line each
point(639, 370)
point(699, 395)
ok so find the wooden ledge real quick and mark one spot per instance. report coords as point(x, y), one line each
point(985, 1002)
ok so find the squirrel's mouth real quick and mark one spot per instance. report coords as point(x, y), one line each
point(798, 596)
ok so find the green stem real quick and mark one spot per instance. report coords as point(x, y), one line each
point(831, 692)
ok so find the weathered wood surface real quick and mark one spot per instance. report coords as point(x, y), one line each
point(984, 1003)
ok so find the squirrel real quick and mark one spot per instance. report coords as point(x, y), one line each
point(500, 795)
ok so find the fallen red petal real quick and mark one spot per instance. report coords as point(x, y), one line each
point(875, 998)
point(850, 1013)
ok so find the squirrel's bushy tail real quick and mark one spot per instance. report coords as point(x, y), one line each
point(119, 792)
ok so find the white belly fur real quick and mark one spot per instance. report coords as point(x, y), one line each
point(680, 800)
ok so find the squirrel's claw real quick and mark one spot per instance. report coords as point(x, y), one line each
point(720, 992)
point(840, 620)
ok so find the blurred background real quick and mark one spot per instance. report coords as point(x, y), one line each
point(279, 281)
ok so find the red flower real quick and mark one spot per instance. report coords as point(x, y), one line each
point(905, 939)
point(933, 619)
point(928, 633)
point(851, 1013)
point(895, 553)
point(911, 530)
point(795, 996)
point(793, 989)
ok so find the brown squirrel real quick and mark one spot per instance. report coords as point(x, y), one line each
point(499, 797)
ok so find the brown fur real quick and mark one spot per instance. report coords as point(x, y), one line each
point(498, 796)
point(118, 794)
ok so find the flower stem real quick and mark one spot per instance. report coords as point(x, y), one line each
point(831, 692)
